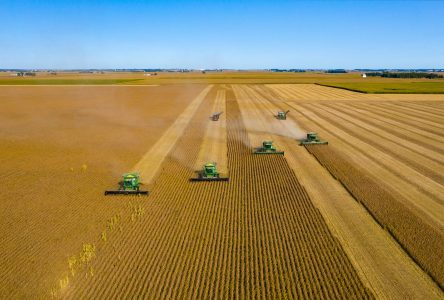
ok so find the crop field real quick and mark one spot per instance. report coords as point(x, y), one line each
point(419, 87)
point(361, 217)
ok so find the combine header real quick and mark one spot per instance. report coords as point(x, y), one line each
point(215, 116)
point(312, 139)
point(128, 186)
point(267, 148)
point(282, 115)
point(209, 173)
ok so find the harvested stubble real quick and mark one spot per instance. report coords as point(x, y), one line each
point(53, 204)
point(257, 236)
point(422, 241)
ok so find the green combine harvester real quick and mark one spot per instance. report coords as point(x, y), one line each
point(209, 173)
point(282, 115)
point(267, 148)
point(128, 186)
point(312, 139)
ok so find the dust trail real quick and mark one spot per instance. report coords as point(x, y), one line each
point(259, 118)
point(151, 162)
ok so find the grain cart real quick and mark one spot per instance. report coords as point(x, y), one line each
point(267, 148)
point(209, 173)
point(312, 139)
point(215, 116)
point(128, 186)
point(282, 115)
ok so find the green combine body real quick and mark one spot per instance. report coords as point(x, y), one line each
point(209, 173)
point(130, 185)
point(267, 148)
point(312, 139)
point(282, 115)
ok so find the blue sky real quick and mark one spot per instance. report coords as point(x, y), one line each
point(221, 34)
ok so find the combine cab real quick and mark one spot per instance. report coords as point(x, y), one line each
point(267, 148)
point(312, 139)
point(209, 173)
point(282, 115)
point(215, 116)
point(128, 186)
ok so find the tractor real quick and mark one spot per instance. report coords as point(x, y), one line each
point(267, 148)
point(209, 173)
point(312, 139)
point(130, 185)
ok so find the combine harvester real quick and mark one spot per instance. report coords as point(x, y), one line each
point(282, 115)
point(267, 148)
point(312, 139)
point(215, 116)
point(128, 186)
point(209, 173)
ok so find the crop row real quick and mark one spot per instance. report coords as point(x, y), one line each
point(421, 240)
point(257, 236)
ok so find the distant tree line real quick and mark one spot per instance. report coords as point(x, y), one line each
point(336, 71)
point(25, 74)
point(405, 75)
point(288, 70)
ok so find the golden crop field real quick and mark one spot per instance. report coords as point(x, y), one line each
point(361, 217)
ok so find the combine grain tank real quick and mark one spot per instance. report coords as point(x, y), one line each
point(282, 115)
point(209, 173)
point(215, 116)
point(267, 148)
point(130, 185)
point(312, 139)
